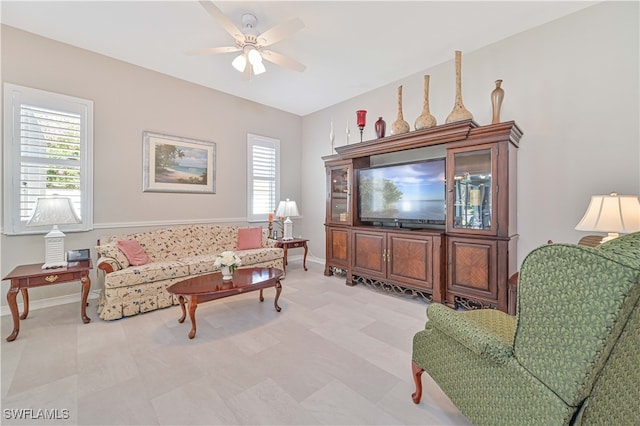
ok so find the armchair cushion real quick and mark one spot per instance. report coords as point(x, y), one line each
point(486, 332)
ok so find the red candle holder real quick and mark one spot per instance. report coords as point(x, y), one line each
point(362, 120)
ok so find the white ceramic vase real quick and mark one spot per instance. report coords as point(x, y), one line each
point(227, 274)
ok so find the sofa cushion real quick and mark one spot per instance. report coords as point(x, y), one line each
point(204, 264)
point(148, 273)
point(249, 238)
point(134, 252)
point(256, 256)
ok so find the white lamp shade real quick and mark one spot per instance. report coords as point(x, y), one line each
point(259, 68)
point(255, 57)
point(612, 213)
point(287, 208)
point(240, 62)
point(53, 211)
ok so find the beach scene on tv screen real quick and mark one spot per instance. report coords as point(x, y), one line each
point(408, 191)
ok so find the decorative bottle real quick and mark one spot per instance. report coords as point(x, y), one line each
point(496, 101)
point(400, 126)
point(425, 120)
point(459, 112)
point(381, 128)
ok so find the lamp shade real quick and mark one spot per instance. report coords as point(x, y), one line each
point(287, 208)
point(53, 211)
point(612, 213)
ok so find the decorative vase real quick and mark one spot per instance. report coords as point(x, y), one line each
point(227, 273)
point(459, 112)
point(332, 136)
point(425, 120)
point(496, 101)
point(399, 126)
point(348, 132)
point(381, 128)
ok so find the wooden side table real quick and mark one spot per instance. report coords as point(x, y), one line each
point(294, 243)
point(24, 277)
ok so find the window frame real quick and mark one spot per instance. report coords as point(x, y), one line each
point(257, 140)
point(14, 97)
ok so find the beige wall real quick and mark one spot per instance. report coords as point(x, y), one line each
point(127, 101)
point(571, 85)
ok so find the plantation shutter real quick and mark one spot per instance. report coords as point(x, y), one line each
point(264, 176)
point(49, 157)
point(48, 150)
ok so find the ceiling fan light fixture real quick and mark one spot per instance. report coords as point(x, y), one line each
point(240, 63)
point(255, 57)
point(258, 68)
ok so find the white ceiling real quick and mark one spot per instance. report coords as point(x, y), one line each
point(349, 48)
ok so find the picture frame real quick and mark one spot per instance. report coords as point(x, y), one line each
point(177, 164)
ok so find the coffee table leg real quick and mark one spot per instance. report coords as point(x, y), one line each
point(278, 290)
point(193, 304)
point(261, 296)
point(184, 311)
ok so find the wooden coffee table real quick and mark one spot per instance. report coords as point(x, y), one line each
point(211, 287)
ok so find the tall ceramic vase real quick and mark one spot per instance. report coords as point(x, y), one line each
point(459, 112)
point(425, 120)
point(399, 126)
point(496, 101)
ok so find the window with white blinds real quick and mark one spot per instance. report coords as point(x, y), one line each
point(48, 151)
point(263, 176)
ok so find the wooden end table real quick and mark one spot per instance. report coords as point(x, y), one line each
point(294, 243)
point(208, 287)
point(24, 277)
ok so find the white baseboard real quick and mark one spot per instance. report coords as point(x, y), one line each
point(34, 305)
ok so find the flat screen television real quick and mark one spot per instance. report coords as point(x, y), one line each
point(403, 194)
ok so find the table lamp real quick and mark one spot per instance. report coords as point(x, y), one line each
point(287, 209)
point(613, 214)
point(53, 211)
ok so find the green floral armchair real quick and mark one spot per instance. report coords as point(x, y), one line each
point(570, 356)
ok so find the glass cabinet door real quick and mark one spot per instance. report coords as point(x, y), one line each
point(339, 202)
point(472, 190)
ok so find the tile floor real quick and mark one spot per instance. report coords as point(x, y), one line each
point(335, 355)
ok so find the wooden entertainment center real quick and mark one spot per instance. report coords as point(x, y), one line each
point(467, 260)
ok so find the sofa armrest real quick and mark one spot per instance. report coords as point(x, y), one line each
point(108, 264)
point(270, 243)
point(486, 332)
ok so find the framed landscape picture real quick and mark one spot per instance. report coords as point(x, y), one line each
point(175, 164)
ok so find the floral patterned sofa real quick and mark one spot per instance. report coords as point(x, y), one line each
point(174, 254)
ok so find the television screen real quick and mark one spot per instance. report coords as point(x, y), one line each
point(412, 192)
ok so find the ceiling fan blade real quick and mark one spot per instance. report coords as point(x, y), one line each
point(225, 22)
point(213, 50)
point(280, 32)
point(283, 61)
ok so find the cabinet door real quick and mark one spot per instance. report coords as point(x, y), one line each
point(471, 183)
point(338, 247)
point(339, 195)
point(410, 259)
point(473, 269)
point(369, 253)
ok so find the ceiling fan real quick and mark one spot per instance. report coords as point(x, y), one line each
point(251, 44)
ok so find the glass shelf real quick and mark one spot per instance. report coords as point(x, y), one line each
point(473, 190)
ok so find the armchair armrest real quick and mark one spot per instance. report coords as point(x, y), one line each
point(486, 332)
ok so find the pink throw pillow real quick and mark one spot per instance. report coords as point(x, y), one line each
point(249, 238)
point(134, 252)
